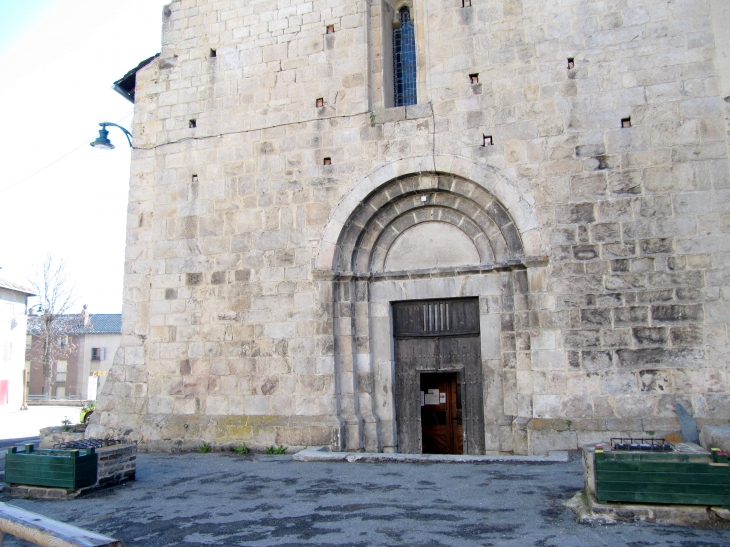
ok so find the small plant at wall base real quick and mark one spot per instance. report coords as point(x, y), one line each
point(241, 449)
point(66, 422)
point(204, 448)
point(281, 449)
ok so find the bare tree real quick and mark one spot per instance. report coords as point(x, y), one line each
point(56, 295)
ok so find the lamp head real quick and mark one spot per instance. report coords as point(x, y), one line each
point(102, 141)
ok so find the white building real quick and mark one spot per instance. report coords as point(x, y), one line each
point(13, 321)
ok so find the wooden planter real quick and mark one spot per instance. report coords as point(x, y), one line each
point(645, 477)
point(70, 469)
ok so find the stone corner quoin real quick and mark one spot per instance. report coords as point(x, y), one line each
point(563, 177)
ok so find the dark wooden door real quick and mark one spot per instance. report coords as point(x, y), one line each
point(441, 427)
point(439, 337)
point(464, 352)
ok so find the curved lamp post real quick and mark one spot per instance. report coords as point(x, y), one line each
point(102, 141)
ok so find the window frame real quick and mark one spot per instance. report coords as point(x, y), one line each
point(58, 374)
point(405, 93)
point(382, 61)
point(98, 354)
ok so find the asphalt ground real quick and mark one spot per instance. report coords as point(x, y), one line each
point(257, 500)
point(7, 443)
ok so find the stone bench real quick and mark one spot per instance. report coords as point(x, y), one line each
point(46, 532)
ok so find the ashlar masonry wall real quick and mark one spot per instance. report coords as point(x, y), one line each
point(238, 322)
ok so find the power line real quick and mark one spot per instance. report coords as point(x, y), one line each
point(85, 143)
point(253, 130)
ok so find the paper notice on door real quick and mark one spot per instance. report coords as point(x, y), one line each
point(442, 398)
point(432, 397)
point(422, 400)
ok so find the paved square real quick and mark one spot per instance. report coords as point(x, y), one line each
point(220, 499)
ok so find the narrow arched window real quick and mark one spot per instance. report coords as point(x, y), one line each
point(404, 60)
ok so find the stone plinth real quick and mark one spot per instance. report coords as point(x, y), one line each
point(117, 464)
point(51, 436)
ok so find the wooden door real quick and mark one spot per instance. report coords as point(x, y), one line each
point(438, 341)
point(465, 352)
point(441, 429)
point(412, 355)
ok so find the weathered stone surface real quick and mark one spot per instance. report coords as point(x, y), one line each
point(715, 437)
point(61, 434)
point(258, 289)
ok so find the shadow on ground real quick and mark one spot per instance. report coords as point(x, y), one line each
point(218, 499)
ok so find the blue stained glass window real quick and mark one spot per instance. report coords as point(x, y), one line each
point(404, 60)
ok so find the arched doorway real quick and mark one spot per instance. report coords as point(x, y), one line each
point(423, 238)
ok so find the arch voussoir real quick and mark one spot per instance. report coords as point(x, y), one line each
point(469, 196)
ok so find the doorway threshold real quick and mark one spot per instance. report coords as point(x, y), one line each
point(321, 454)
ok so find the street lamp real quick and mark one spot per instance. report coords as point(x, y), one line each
point(102, 141)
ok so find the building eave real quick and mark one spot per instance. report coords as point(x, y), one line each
point(127, 84)
point(4, 284)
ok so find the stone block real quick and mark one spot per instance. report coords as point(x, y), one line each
point(595, 317)
point(650, 336)
point(390, 115)
point(581, 339)
point(677, 313)
point(416, 111)
point(660, 358)
point(715, 437)
point(542, 442)
point(635, 315)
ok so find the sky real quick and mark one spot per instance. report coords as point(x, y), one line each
point(58, 195)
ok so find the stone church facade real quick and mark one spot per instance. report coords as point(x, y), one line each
point(539, 230)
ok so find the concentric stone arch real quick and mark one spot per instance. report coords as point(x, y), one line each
point(471, 196)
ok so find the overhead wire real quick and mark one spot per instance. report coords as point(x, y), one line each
point(252, 130)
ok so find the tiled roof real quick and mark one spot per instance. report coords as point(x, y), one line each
point(5, 284)
point(104, 323)
point(72, 323)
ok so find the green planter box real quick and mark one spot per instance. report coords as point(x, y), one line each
point(687, 479)
point(70, 469)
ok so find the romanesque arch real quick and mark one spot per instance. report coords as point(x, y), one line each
point(472, 227)
point(369, 220)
